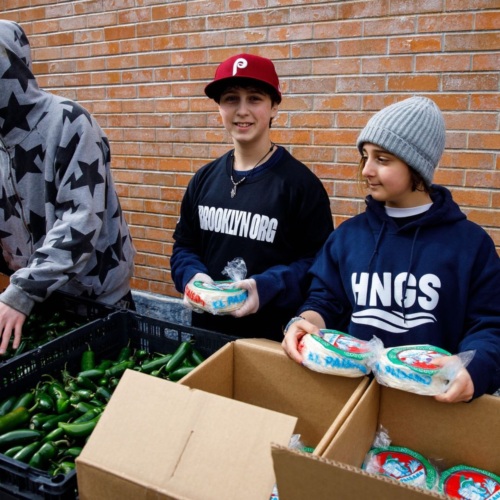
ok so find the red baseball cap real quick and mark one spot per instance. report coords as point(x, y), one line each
point(245, 67)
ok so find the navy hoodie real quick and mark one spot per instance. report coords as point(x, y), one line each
point(445, 265)
point(61, 225)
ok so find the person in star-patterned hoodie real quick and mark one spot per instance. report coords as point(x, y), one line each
point(61, 224)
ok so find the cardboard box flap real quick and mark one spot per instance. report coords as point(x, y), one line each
point(179, 442)
point(301, 475)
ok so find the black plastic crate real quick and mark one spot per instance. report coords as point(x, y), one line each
point(76, 311)
point(106, 337)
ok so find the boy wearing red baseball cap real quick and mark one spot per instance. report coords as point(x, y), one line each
point(257, 203)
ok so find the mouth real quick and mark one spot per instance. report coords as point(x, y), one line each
point(243, 124)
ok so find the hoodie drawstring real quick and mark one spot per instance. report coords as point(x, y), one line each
point(405, 286)
point(377, 244)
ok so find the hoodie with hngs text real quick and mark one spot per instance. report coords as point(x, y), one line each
point(61, 224)
point(434, 280)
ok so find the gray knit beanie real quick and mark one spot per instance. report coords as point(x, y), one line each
point(413, 130)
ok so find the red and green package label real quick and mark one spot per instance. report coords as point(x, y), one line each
point(418, 358)
point(469, 483)
point(403, 464)
point(345, 344)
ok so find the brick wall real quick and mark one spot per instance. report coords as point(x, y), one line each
point(140, 67)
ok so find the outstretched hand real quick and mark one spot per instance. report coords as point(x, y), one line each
point(11, 321)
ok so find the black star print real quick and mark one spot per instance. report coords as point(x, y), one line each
point(90, 178)
point(8, 203)
point(117, 246)
point(24, 161)
point(15, 115)
point(64, 155)
point(18, 70)
point(4, 234)
point(76, 111)
point(68, 206)
point(78, 244)
point(33, 286)
point(118, 213)
point(106, 152)
point(40, 257)
point(50, 191)
point(21, 38)
point(105, 263)
point(36, 226)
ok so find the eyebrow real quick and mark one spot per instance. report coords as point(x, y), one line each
point(381, 151)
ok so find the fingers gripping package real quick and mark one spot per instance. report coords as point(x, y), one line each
point(336, 353)
point(411, 368)
point(219, 297)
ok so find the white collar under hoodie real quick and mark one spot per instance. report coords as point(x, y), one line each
point(61, 225)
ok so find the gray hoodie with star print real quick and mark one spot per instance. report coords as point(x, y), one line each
point(61, 224)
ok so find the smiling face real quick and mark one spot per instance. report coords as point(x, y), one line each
point(246, 113)
point(389, 179)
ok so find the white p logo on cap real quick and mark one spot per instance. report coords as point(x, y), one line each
point(239, 63)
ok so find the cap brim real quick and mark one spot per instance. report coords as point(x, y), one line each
point(215, 89)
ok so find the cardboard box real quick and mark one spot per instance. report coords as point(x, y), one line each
point(160, 439)
point(258, 372)
point(446, 434)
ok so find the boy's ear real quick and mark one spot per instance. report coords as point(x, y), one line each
point(274, 109)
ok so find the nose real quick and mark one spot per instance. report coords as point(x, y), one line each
point(242, 107)
point(367, 168)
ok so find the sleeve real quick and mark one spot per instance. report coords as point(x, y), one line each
point(482, 333)
point(186, 260)
point(78, 194)
point(326, 294)
point(286, 285)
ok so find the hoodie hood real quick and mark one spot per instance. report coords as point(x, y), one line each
point(22, 102)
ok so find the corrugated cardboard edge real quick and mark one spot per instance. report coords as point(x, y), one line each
point(302, 475)
point(342, 417)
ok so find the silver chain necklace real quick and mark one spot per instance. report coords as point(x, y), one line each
point(236, 184)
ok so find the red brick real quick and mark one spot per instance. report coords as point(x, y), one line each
point(141, 68)
point(415, 44)
point(472, 41)
point(418, 83)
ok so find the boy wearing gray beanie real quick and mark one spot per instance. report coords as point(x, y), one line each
point(411, 269)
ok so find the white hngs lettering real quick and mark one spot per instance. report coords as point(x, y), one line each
point(411, 293)
point(428, 284)
point(381, 290)
point(360, 288)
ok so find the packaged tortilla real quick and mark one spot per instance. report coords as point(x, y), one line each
point(469, 483)
point(336, 353)
point(402, 464)
point(219, 297)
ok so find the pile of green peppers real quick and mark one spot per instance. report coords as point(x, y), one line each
point(48, 425)
point(38, 329)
